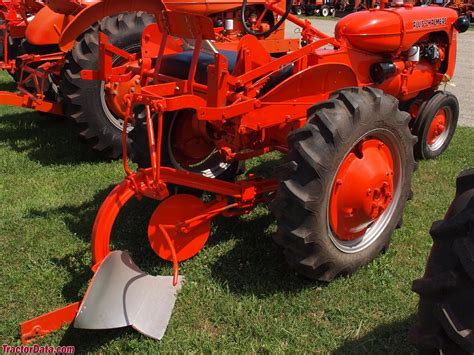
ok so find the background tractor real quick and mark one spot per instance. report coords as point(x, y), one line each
point(347, 113)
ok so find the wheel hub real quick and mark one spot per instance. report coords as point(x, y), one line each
point(115, 94)
point(362, 189)
point(188, 143)
point(437, 127)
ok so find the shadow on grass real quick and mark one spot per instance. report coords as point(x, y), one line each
point(8, 86)
point(255, 265)
point(47, 139)
point(389, 338)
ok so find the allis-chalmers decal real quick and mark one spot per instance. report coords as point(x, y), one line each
point(429, 22)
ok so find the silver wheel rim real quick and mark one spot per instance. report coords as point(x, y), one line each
point(116, 122)
point(376, 229)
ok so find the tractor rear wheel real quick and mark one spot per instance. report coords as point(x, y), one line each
point(183, 147)
point(345, 183)
point(445, 313)
point(87, 102)
point(435, 125)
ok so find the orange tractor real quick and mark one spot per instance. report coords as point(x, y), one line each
point(14, 18)
point(48, 74)
point(347, 113)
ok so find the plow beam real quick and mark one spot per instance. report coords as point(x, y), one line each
point(47, 323)
point(23, 100)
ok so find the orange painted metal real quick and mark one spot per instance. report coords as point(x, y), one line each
point(47, 323)
point(437, 126)
point(362, 189)
point(393, 30)
point(45, 28)
point(170, 214)
point(26, 101)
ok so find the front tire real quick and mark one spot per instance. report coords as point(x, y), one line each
point(316, 223)
point(435, 125)
point(84, 100)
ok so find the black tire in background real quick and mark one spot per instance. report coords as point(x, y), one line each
point(446, 309)
point(84, 100)
point(325, 11)
point(301, 205)
point(425, 116)
point(297, 10)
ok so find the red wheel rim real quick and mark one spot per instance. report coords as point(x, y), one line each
point(438, 127)
point(188, 145)
point(363, 189)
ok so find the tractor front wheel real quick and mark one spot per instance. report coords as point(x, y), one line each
point(93, 107)
point(435, 125)
point(345, 183)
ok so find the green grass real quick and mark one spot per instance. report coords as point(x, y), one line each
point(239, 297)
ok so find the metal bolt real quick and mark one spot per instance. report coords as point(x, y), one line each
point(115, 93)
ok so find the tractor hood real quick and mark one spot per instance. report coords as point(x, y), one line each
point(392, 30)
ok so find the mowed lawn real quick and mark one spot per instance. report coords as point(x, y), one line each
point(239, 296)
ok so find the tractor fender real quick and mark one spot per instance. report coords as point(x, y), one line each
point(314, 83)
point(45, 28)
point(96, 12)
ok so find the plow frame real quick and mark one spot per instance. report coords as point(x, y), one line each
point(35, 69)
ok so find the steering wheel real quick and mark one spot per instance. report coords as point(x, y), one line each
point(259, 20)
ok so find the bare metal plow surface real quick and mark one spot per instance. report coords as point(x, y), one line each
point(120, 295)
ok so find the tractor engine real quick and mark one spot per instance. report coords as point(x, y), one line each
point(415, 45)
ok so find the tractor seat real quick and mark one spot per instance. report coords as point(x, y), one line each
point(177, 65)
